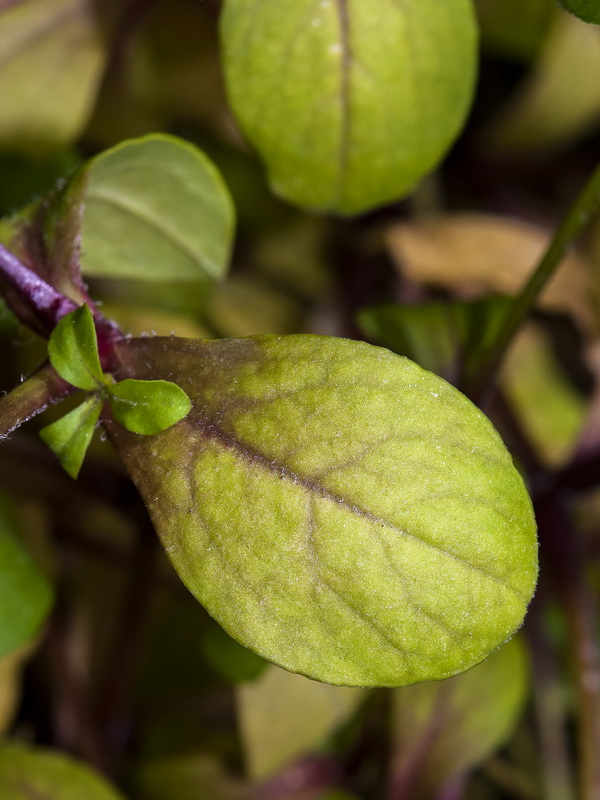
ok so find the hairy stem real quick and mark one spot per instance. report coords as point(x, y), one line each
point(31, 397)
point(34, 293)
point(40, 306)
point(571, 227)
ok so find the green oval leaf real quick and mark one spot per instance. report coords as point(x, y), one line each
point(25, 594)
point(441, 730)
point(587, 10)
point(73, 350)
point(70, 436)
point(349, 103)
point(335, 507)
point(28, 774)
point(148, 407)
point(156, 209)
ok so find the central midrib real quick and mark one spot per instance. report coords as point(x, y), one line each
point(249, 454)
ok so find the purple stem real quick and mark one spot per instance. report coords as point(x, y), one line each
point(48, 303)
point(45, 305)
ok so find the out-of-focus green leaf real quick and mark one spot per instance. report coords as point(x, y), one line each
point(148, 407)
point(587, 10)
point(188, 777)
point(52, 57)
point(560, 100)
point(283, 716)
point(349, 104)
point(548, 405)
point(228, 658)
point(25, 594)
point(513, 28)
point(70, 436)
point(156, 209)
point(73, 350)
point(337, 509)
point(443, 729)
point(438, 336)
point(153, 210)
point(28, 773)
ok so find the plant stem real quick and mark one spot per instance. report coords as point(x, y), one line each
point(39, 306)
point(31, 397)
point(34, 293)
point(571, 227)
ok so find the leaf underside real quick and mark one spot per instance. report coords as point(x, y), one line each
point(336, 508)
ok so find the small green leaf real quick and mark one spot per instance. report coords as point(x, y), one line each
point(73, 350)
point(283, 716)
point(441, 730)
point(148, 407)
point(587, 10)
point(70, 436)
point(349, 103)
point(336, 508)
point(27, 773)
point(156, 209)
point(25, 595)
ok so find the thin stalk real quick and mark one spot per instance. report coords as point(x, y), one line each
point(31, 397)
point(570, 229)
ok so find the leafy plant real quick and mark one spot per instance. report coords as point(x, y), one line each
point(339, 510)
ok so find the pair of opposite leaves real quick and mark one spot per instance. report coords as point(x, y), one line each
point(335, 507)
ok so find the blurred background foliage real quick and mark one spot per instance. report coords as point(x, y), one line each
point(130, 674)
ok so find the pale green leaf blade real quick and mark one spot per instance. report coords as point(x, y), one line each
point(148, 407)
point(156, 209)
point(25, 594)
point(73, 350)
point(70, 436)
point(587, 10)
point(349, 103)
point(52, 57)
point(440, 730)
point(284, 716)
point(27, 773)
point(335, 507)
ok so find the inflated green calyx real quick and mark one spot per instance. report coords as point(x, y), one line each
point(335, 507)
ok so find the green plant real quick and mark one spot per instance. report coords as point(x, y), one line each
point(341, 511)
